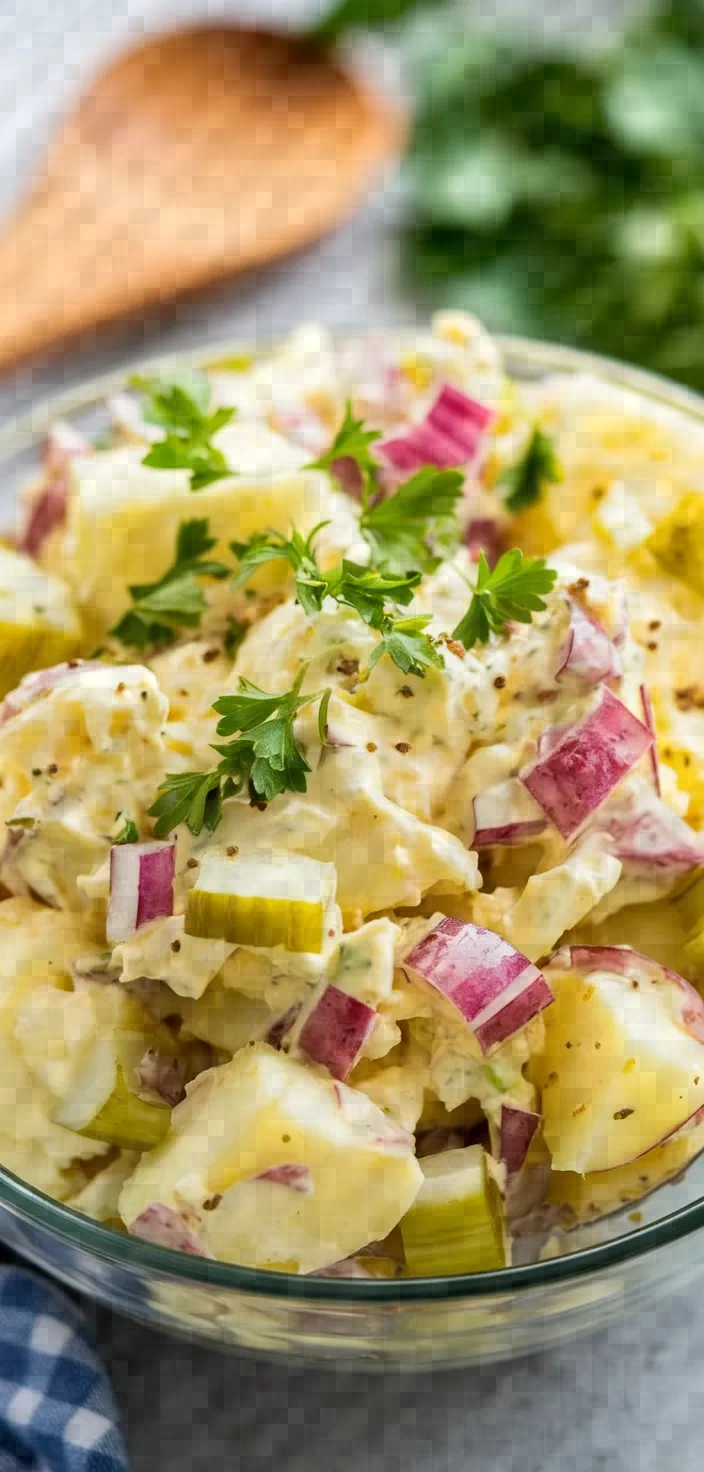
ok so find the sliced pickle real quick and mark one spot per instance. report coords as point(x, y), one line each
point(128, 1121)
point(39, 625)
point(455, 1224)
point(261, 902)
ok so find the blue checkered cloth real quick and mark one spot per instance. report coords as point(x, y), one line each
point(57, 1412)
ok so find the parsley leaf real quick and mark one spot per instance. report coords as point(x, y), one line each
point(194, 798)
point(407, 644)
point(416, 527)
point(179, 406)
point(352, 442)
point(177, 599)
point(271, 546)
point(366, 589)
point(538, 467)
point(125, 829)
point(264, 755)
point(510, 593)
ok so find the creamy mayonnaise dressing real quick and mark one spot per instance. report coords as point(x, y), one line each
point(250, 1068)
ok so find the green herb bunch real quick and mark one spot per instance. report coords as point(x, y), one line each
point(559, 192)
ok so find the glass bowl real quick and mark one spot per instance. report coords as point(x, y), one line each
point(595, 1273)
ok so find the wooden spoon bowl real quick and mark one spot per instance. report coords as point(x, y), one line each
point(196, 155)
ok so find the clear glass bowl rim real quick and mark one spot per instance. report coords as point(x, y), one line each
point(32, 1206)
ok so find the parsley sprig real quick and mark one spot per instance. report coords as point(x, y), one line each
point(511, 593)
point(263, 756)
point(416, 527)
point(537, 467)
point(180, 407)
point(177, 600)
point(366, 589)
point(352, 442)
point(273, 546)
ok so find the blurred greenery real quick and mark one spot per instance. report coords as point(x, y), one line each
point(558, 190)
point(560, 193)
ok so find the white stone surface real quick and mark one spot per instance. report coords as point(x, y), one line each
point(630, 1399)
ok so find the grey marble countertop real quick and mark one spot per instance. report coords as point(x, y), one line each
point(631, 1398)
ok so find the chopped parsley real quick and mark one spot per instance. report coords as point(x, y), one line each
point(511, 593)
point(352, 442)
point(263, 756)
point(177, 600)
point(416, 527)
point(407, 644)
point(125, 829)
point(368, 590)
point(273, 546)
point(180, 407)
point(537, 468)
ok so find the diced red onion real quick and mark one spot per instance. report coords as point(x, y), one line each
point(163, 1076)
point(141, 886)
point(550, 738)
point(295, 1177)
point(506, 814)
point(281, 1026)
point(516, 1132)
point(336, 1031)
point(450, 435)
point(39, 682)
point(494, 988)
point(575, 777)
point(484, 534)
point(165, 1228)
point(47, 509)
point(349, 475)
point(588, 655)
point(626, 962)
point(649, 721)
point(46, 513)
point(646, 834)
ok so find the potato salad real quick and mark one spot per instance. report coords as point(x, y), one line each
point(351, 791)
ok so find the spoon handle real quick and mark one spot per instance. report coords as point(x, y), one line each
point(61, 272)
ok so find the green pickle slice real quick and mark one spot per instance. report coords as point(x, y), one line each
point(261, 903)
point(127, 1121)
point(456, 1223)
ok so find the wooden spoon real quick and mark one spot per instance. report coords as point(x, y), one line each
point(198, 154)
